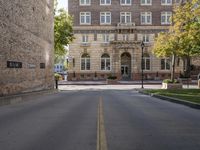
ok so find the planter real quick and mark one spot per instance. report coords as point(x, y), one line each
point(172, 85)
point(199, 83)
point(111, 81)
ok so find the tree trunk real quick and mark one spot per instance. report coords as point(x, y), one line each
point(173, 68)
point(188, 69)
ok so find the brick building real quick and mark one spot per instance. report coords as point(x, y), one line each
point(108, 39)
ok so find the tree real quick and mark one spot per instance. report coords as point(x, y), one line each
point(63, 32)
point(187, 27)
point(183, 37)
point(167, 45)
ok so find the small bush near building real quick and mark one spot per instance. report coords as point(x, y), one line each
point(170, 81)
point(57, 76)
point(111, 77)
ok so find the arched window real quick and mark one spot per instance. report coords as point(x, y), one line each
point(146, 62)
point(105, 62)
point(85, 62)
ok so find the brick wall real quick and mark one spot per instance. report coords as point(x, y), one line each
point(115, 8)
point(26, 37)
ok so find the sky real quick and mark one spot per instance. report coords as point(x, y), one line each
point(63, 4)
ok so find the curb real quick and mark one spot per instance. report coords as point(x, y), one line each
point(18, 98)
point(80, 84)
point(174, 100)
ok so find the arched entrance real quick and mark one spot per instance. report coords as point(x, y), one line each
point(125, 66)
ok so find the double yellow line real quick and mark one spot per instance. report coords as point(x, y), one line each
point(101, 135)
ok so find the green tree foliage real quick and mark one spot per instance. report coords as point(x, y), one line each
point(187, 27)
point(183, 38)
point(63, 32)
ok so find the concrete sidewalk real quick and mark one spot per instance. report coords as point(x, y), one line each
point(138, 82)
point(113, 87)
point(82, 82)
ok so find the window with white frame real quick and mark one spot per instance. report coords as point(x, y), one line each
point(85, 38)
point(105, 2)
point(125, 2)
point(166, 2)
point(146, 2)
point(146, 38)
point(106, 38)
point(165, 17)
point(85, 17)
point(125, 37)
point(165, 64)
point(85, 62)
point(105, 18)
point(105, 62)
point(84, 2)
point(146, 62)
point(177, 1)
point(146, 18)
point(125, 17)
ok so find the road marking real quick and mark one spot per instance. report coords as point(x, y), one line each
point(101, 135)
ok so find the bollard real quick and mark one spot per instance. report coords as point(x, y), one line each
point(199, 83)
point(56, 83)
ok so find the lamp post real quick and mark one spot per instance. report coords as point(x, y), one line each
point(142, 63)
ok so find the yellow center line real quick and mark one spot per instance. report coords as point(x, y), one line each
point(101, 135)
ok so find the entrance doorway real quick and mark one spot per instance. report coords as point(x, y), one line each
point(126, 66)
point(124, 71)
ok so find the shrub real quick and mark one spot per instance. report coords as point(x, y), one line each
point(57, 76)
point(111, 77)
point(74, 74)
point(95, 74)
point(170, 81)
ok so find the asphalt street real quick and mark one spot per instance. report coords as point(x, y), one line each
point(68, 120)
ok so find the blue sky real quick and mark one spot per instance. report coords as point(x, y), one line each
point(62, 3)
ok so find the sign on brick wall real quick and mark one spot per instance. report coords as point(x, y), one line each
point(42, 65)
point(14, 64)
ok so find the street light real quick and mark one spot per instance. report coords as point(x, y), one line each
point(142, 62)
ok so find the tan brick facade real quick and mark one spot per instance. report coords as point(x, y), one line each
point(124, 46)
point(26, 46)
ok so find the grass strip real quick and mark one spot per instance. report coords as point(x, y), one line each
point(191, 95)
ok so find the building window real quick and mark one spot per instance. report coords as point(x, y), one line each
point(165, 17)
point(84, 2)
point(146, 62)
point(85, 62)
point(125, 2)
point(105, 18)
point(146, 2)
point(105, 2)
point(85, 18)
point(166, 2)
point(84, 38)
point(165, 64)
point(125, 37)
point(146, 18)
point(146, 38)
point(106, 38)
point(105, 62)
point(125, 17)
